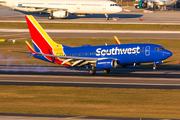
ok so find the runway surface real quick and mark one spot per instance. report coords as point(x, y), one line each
point(16, 116)
point(158, 17)
point(24, 33)
point(67, 76)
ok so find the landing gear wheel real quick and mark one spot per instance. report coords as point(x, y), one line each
point(137, 6)
point(107, 18)
point(92, 72)
point(50, 17)
point(106, 71)
point(154, 67)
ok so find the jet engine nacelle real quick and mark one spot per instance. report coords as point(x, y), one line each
point(60, 14)
point(106, 63)
point(142, 4)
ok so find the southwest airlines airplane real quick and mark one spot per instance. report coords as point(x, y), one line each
point(102, 57)
point(62, 8)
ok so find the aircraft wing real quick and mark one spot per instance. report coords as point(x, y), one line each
point(40, 9)
point(72, 59)
point(65, 59)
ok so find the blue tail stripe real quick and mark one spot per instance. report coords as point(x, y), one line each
point(36, 48)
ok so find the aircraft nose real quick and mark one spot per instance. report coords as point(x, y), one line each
point(167, 53)
point(119, 9)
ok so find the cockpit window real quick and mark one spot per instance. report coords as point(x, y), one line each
point(159, 49)
point(113, 5)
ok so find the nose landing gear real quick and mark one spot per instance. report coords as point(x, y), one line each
point(154, 67)
point(107, 17)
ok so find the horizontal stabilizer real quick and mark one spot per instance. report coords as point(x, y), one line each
point(30, 48)
point(30, 55)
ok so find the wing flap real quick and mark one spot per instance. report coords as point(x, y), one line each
point(76, 62)
point(69, 57)
point(65, 61)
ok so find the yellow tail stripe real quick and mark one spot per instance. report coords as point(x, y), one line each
point(44, 34)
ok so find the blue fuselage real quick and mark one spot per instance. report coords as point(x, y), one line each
point(124, 53)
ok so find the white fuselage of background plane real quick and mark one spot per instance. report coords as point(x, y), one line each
point(70, 6)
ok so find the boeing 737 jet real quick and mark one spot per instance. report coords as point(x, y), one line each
point(102, 57)
point(62, 8)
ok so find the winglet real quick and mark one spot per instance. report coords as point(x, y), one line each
point(117, 41)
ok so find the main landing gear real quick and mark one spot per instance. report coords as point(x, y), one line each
point(93, 71)
point(107, 17)
point(51, 16)
point(106, 71)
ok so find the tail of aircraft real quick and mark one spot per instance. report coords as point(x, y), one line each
point(41, 40)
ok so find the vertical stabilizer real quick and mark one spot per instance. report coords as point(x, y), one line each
point(41, 40)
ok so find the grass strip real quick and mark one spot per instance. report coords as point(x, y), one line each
point(94, 26)
point(90, 101)
point(11, 58)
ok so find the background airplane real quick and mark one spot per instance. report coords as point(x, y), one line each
point(101, 57)
point(160, 4)
point(62, 8)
